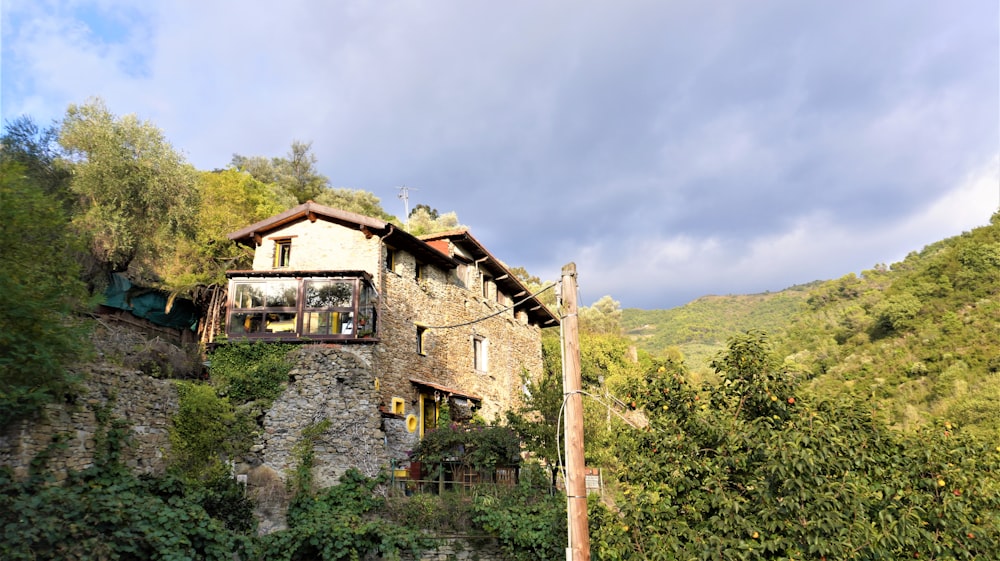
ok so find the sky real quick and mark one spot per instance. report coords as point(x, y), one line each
point(670, 149)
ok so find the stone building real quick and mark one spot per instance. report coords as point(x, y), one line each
point(430, 320)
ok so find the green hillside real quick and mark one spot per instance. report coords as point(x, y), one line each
point(700, 329)
point(922, 337)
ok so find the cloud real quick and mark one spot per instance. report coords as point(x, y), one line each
point(819, 246)
point(670, 149)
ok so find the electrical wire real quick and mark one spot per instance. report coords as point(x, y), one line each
point(559, 421)
point(484, 318)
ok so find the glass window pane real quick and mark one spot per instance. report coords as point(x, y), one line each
point(329, 294)
point(248, 295)
point(246, 323)
point(328, 323)
point(346, 323)
point(280, 323)
point(282, 294)
point(320, 323)
point(368, 294)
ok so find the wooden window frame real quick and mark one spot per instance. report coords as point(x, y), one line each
point(390, 259)
point(421, 340)
point(252, 317)
point(282, 253)
point(480, 353)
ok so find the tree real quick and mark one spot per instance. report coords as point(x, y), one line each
point(432, 213)
point(135, 194)
point(38, 151)
point(355, 200)
point(605, 316)
point(296, 173)
point(227, 201)
point(261, 168)
point(40, 289)
point(534, 285)
point(536, 421)
point(424, 220)
point(718, 474)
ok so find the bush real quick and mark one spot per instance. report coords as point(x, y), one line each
point(798, 479)
point(247, 372)
point(340, 523)
point(529, 523)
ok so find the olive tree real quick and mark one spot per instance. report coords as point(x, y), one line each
point(134, 192)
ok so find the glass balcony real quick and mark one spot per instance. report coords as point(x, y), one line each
point(322, 307)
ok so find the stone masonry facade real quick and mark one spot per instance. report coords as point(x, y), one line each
point(437, 302)
point(336, 386)
point(147, 404)
point(447, 329)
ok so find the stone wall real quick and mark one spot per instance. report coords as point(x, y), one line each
point(438, 301)
point(459, 549)
point(321, 246)
point(331, 383)
point(146, 403)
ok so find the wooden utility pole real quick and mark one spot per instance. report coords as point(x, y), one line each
point(576, 479)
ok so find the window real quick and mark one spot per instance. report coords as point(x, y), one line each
point(480, 350)
point(421, 340)
point(398, 406)
point(390, 259)
point(282, 253)
point(486, 286)
point(418, 271)
point(312, 307)
point(264, 308)
point(329, 307)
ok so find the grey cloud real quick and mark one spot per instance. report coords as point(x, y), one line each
point(666, 146)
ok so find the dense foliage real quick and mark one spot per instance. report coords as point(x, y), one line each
point(247, 372)
point(528, 520)
point(217, 419)
point(40, 291)
point(482, 448)
point(748, 469)
point(700, 329)
point(341, 523)
point(922, 336)
point(106, 512)
point(134, 191)
point(103, 514)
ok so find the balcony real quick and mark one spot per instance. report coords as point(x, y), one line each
point(301, 306)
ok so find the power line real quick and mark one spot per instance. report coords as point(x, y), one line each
point(484, 318)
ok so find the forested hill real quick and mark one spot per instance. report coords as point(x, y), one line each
point(922, 337)
point(699, 329)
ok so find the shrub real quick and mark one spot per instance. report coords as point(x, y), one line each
point(247, 372)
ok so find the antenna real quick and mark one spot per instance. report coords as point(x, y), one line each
point(404, 193)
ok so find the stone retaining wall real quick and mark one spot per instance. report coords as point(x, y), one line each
point(461, 549)
point(328, 383)
point(146, 403)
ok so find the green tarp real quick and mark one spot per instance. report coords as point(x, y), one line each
point(150, 304)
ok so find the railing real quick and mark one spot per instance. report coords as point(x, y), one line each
point(460, 479)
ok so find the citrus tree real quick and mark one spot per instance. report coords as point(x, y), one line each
point(747, 469)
